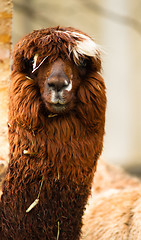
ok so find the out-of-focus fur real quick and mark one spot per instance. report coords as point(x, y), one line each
point(113, 210)
point(55, 148)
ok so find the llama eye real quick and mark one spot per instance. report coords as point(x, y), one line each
point(31, 62)
point(84, 66)
point(28, 65)
point(83, 62)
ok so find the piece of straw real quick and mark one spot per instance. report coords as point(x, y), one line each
point(37, 199)
point(34, 65)
point(32, 205)
point(29, 78)
point(58, 232)
point(52, 115)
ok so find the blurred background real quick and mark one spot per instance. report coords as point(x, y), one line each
point(116, 26)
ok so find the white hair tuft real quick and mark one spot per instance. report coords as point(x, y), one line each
point(85, 46)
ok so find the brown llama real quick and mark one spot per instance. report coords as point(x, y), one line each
point(56, 127)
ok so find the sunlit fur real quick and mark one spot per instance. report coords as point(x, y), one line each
point(84, 46)
point(62, 148)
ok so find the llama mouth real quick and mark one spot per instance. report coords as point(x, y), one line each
point(58, 107)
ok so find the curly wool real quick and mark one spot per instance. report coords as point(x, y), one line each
point(63, 149)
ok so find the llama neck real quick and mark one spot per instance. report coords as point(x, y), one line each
point(64, 154)
point(62, 144)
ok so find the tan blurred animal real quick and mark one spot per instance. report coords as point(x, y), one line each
point(114, 209)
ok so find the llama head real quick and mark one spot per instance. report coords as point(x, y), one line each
point(59, 61)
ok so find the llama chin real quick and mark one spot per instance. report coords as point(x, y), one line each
point(56, 118)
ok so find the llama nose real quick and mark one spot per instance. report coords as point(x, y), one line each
point(58, 82)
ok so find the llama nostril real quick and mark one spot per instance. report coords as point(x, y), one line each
point(51, 85)
point(57, 86)
point(58, 83)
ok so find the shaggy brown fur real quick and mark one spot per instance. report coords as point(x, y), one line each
point(60, 150)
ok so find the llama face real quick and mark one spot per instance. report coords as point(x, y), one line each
point(59, 61)
point(58, 82)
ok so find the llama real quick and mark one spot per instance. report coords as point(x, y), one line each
point(114, 215)
point(113, 209)
point(56, 128)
